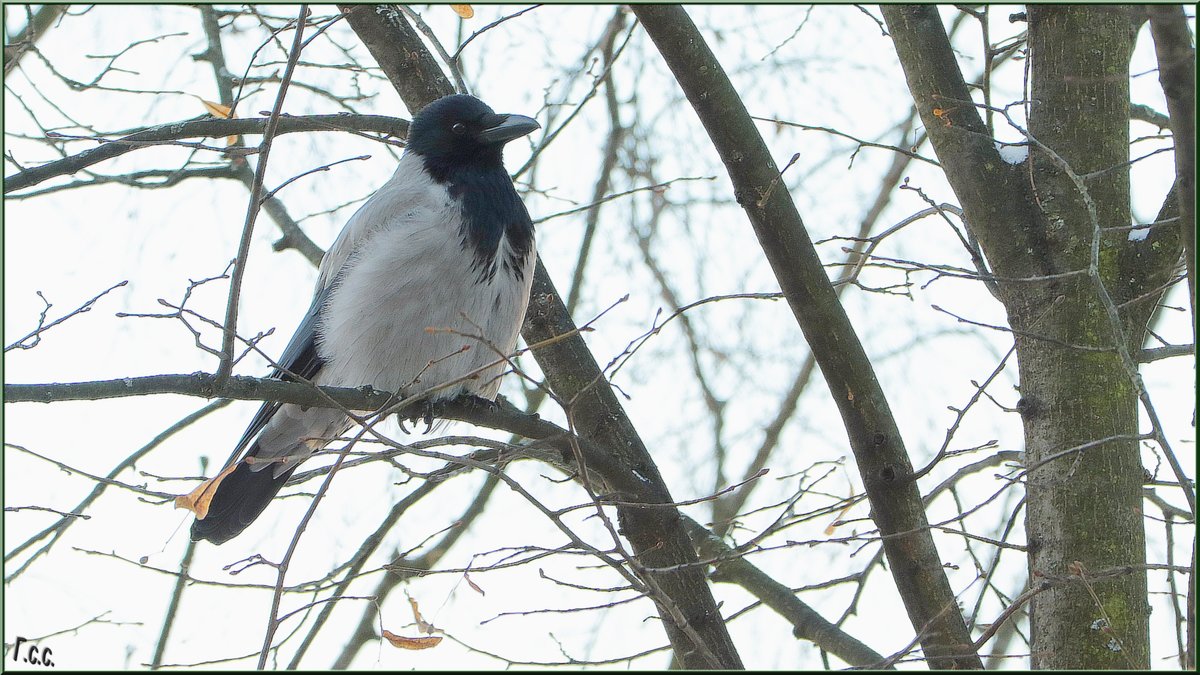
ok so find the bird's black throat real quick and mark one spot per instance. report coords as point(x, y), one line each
point(491, 209)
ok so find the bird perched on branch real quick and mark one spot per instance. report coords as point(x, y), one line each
point(427, 281)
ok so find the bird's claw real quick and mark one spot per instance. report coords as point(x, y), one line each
point(427, 415)
point(422, 411)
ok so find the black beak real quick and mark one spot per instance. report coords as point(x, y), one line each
point(504, 128)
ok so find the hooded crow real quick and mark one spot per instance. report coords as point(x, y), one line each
point(445, 244)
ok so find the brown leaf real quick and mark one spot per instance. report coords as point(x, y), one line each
point(222, 111)
point(465, 11)
point(422, 624)
point(411, 643)
point(472, 584)
point(197, 500)
point(837, 521)
point(217, 110)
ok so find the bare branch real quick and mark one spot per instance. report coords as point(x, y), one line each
point(874, 436)
point(42, 327)
point(1177, 73)
point(202, 128)
point(243, 254)
point(37, 25)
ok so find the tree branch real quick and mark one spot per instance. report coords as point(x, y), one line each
point(665, 557)
point(225, 369)
point(994, 194)
point(57, 530)
point(399, 52)
point(293, 236)
point(807, 624)
point(1177, 73)
point(202, 127)
point(39, 22)
point(874, 436)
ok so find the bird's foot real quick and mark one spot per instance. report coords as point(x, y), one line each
point(480, 402)
point(421, 411)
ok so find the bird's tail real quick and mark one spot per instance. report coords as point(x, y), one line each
point(238, 501)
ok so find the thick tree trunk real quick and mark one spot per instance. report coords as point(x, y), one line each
point(1036, 230)
point(1084, 508)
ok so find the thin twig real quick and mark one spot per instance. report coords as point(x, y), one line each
point(58, 528)
point(42, 327)
point(497, 22)
point(239, 271)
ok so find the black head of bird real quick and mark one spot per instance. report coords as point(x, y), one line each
point(462, 132)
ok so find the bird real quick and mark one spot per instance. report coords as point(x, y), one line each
point(424, 284)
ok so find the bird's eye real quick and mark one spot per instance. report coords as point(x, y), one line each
point(459, 128)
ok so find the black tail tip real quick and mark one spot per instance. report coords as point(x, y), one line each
point(237, 503)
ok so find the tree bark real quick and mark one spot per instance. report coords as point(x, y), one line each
point(1177, 73)
point(400, 53)
point(1037, 232)
point(1085, 507)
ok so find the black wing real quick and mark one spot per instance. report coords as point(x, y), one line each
point(299, 360)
